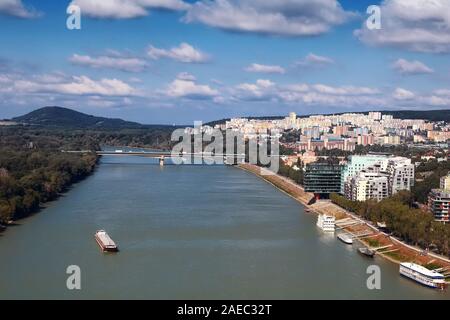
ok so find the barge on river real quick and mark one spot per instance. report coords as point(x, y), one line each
point(105, 242)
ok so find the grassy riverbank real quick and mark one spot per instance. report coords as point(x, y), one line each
point(386, 246)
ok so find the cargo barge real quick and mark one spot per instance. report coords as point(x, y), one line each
point(105, 242)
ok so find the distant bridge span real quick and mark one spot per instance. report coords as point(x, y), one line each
point(162, 155)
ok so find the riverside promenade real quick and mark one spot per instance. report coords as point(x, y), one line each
point(364, 231)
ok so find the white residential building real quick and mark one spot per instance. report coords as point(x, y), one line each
point(376, 177)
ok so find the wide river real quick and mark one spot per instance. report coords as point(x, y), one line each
point(185, 232)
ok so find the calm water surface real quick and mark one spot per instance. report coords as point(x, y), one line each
point(185, 232)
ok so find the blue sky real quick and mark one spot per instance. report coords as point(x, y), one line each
point(169, 61)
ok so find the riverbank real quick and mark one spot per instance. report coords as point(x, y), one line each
point(386, 246)
point(54, 175)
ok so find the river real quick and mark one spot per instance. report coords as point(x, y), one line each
point(185, 232)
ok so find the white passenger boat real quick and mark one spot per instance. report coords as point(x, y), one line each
point(326, 222)
point(346, 238)
point(423, 275)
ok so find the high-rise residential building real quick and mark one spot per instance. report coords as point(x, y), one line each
point(312, 132)
point(392, 139)
point(366, 185)
point(375, 115)
point(357, 163)
point(365, 140)
point(293, 118)
point(322, 179)
point(401, 173)
point(445, 182)
point(340, 130)
point(387, 173)
point(439, 204)
point(439, 200)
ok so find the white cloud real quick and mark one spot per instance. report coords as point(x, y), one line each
point(101, 102)
point(186, 76)
point(345, 90)
point(126, 9)
point(315, 60)
point(408, 99)
point(127, 64)
point(77, 85)
point(16, 8)
point(183, 53)
point(185, 86)
point(416, 25)
point(442, 92)
point(287, 17)
point(403, 94)
point(307, 94)
point(262, 89)
point(406, 67)
point(260, 68)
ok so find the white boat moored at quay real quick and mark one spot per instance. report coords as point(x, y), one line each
point(423, 275)
point(346, 238)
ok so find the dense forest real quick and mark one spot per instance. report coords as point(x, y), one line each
point(412, 225)
point(34, 170)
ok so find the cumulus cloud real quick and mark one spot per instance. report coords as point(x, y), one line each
point(127, 64)
point(17, 9)
point(309, 94)
point(406, 67)
point(416, 25)
point(314, 60)
point(442, 92)
point(186, 76)
point(261, 68)
point(436, 99)
point(287, 17)
point(60, 84)
point(262, 89)
point(403, 94)
point(126, 9)
point(183, 53)
point(185, 86)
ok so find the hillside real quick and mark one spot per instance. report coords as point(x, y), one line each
point(431, 115)
point(63, 117)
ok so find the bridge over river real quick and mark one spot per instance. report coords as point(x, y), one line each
point(162, 155)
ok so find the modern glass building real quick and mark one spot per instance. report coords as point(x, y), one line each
point(322, 179)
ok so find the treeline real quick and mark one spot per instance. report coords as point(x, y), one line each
point(154, 137)
point(409, 224)
point(75, 139)
point(290, 172)
point(33, 170)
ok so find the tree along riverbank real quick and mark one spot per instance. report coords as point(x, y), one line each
point(386, 246)
point(34, 171)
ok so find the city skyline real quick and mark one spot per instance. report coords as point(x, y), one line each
point(179, 61)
